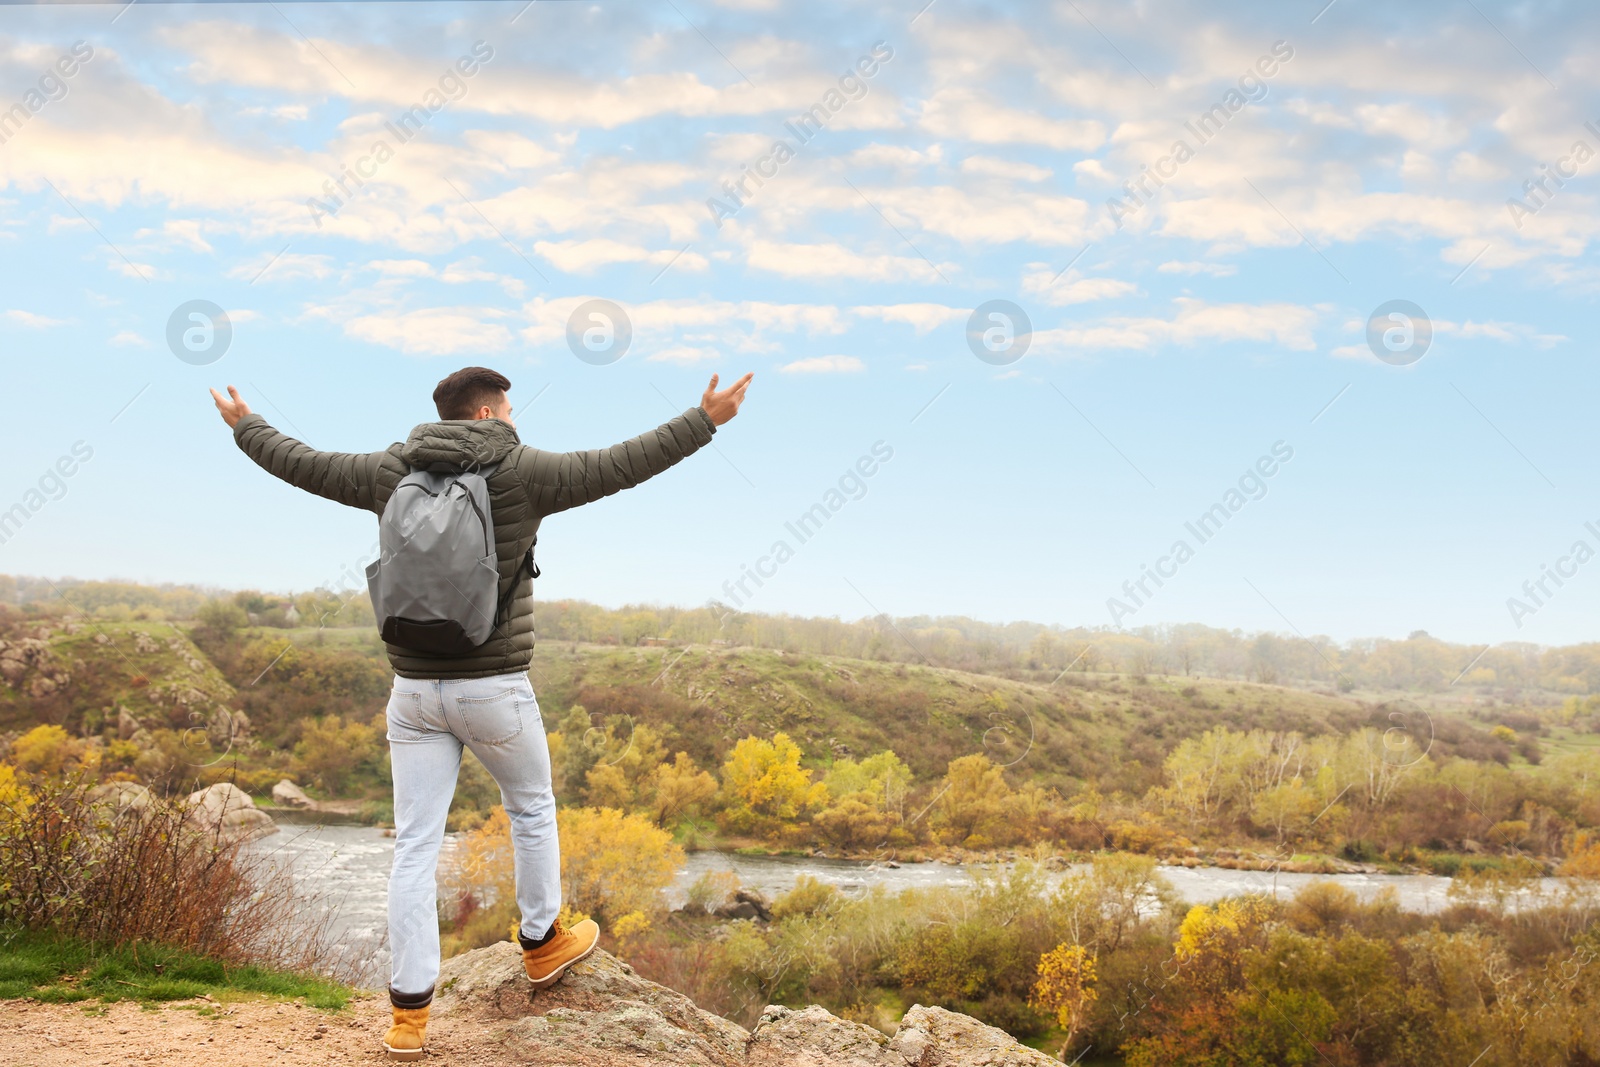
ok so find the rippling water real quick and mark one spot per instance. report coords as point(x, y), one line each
point(343, 872)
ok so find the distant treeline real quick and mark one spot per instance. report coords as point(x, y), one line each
point(1019, 650)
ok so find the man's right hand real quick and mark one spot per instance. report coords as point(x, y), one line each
point(719, 407)
point(235, 409)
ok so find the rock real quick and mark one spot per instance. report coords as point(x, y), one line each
point(287, 794)
point(229, 811)
point(746, 904)
point(219, 729)
point(814, 1038)
point(120, 796)
point(603, 1014)
point(934, 1037)
point(127, 725)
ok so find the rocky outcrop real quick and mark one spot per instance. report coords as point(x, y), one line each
point(288, 795)
point(934, 1037)
point(746, 904)
point(227, 809)
point(116, 798)
point(604, 1014)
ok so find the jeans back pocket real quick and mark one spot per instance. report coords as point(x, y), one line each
point(404, 717)
point(491, 720)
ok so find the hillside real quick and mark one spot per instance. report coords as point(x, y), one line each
point(246, 694)
point(1104, 726)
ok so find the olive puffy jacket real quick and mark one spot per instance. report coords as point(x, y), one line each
point(527, 485)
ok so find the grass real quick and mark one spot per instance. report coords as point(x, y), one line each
point(59, 970)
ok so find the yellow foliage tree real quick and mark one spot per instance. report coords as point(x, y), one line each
point(1066, 988)
point(1213, 940)
point(330, 750)
point(1583, 857)
point(613, 866)
point(613, 863)
point(14, 796)
point(50, 750)
point(680, 787)
point(764, 784)
point(608, 787)
point(971, 810)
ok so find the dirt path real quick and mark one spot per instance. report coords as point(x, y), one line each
point(204, 1033)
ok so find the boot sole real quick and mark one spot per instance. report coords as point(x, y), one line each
point(403, 1053)
point(555, 976)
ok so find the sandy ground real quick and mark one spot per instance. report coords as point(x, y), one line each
point(238, 1034)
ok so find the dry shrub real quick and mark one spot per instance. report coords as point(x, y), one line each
point(80, 866)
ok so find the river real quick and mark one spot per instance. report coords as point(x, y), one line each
point(343, 872)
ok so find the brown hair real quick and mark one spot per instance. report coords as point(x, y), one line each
point(461, 394)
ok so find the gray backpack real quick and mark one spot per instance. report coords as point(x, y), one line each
point(435, 583)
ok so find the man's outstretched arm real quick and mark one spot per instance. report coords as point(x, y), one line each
point(346, 477)
point(561, 480)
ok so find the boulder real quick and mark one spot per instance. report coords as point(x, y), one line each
point(228, 810)
point(746, 904)
point(118, 797)
point(934, 1037)
point(127, 725)
point(288, 795)
point(603, 1014)
point(815, 1038)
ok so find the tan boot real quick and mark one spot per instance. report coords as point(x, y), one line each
point(547, 963)
point(405, 1038)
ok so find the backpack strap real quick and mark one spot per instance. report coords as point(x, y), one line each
point(528, 566)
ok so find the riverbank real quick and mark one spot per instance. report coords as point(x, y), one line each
point(342, 870)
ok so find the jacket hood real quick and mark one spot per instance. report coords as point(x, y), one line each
point(458, 445)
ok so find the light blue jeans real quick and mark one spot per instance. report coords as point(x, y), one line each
point(429, 721)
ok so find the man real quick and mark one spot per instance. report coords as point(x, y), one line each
point(481, 699)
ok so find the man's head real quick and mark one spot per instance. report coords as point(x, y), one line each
point(473, 393)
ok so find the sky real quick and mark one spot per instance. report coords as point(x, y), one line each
point(1066, 278)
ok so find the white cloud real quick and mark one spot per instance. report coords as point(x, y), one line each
point(1095, 171)
point(973, 116)
point(824, 365)
point(1215, 270)
point(33, 321)
point(1195, 322)
point(686, 355)
point(402, 268)
point(1491, 330)
point(837, 261)
point(128, 337)
point(1072, 288)
point(585, 257)
point(441, 331)
point(289, 266)
point(993, 167)
point(920, 317)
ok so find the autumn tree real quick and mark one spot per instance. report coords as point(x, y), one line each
point(763, 784)
point(1066, 988)
point(331, 750)
point(678, 788)
point(48, 749)
point(870, 802)
point(613, 865)
point(971, 810)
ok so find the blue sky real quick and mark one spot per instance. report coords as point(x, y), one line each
point(1365, 155)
